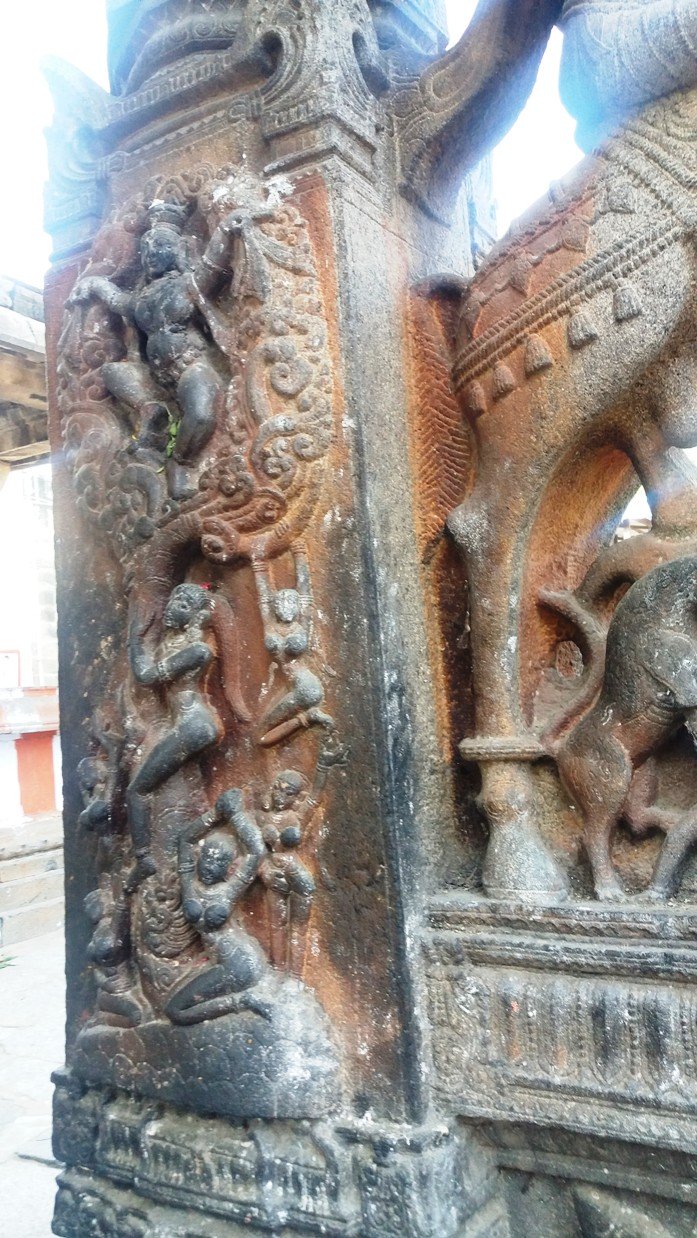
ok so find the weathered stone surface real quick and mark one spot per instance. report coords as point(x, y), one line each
point(277, 1066)
point(333, 967)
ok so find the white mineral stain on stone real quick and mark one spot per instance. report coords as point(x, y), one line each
point(278, 189)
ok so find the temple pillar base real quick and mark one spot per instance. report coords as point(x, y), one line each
point(142, 1167)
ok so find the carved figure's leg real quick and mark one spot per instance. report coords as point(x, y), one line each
point(597, 837)
point(199, 393)
point(640, 811)
point(306, 692)
point(298, 708)
point(216, 991)
point(123, 1006)
point(187, 740)
point(186, 1005)
point(131, 384)
point(279, 914)
point(673, 854)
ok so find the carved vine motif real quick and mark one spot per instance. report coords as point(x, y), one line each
point(196, 388)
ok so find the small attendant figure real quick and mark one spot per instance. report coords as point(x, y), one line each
point(287, 619)
point(285, 823)
point(109, 951)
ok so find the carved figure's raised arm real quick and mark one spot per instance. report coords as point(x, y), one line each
point(142, 662)
point(264, 591)
point(230, 807)
point(303, 586)
point(302, 572)
point(465, 102)
point(329, 756)
point(187, 859)
point(214, 265)
point(96, 287)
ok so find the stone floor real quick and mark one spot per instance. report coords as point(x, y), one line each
point(32, 991)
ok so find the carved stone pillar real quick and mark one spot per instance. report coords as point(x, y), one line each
point(249, 741)
point(562, 981)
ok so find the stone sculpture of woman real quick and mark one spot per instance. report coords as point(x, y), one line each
point(109, 951)
point(179, 667)
point(212, 886)
point(285, 822)
point(287, 618)
point(172, 308)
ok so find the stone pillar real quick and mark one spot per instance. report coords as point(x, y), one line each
point(254, 770)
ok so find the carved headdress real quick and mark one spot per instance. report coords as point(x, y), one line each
point(167, 214)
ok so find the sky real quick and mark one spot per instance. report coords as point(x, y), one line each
point(540, 147)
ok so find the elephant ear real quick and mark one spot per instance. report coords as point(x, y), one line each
point(672, 660)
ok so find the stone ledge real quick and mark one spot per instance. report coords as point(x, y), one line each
point(579, 1015)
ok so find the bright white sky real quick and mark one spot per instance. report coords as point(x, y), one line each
point(539, 149)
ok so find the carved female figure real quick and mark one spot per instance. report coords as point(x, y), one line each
point(109, 951)
point(290, 886)
point(171, 307)
point(212, 886)
point(179, 667)
point(287, 619)
point(93, 778)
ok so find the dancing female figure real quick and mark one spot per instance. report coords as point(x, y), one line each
point(173, 309)
point(181, 663)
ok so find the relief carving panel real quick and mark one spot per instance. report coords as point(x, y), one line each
point(197, 397)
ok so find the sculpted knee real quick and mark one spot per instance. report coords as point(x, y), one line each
point(309, 693)
point(200, 732)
